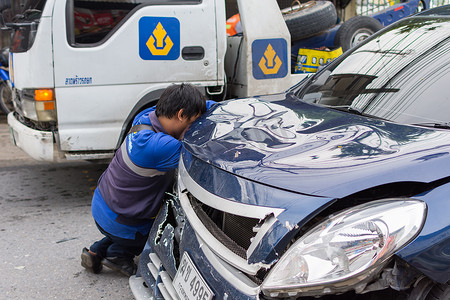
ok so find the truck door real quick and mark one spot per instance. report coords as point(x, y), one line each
point(110, 55)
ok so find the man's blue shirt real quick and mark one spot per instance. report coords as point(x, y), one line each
point(125, 202)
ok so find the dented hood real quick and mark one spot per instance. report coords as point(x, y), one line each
point(282, 142)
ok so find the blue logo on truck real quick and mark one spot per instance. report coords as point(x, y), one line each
point(159, 38)
point(269, 58)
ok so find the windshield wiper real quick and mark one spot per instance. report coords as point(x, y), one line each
point(347, 108)
point(442, 125)
point(355, 111)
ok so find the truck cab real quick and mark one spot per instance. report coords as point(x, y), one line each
point(82, 69)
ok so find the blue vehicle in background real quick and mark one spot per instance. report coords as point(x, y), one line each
point(335, 189)
point(326, 25)
point(356, 29)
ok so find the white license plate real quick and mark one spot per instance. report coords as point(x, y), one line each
point(188, 282)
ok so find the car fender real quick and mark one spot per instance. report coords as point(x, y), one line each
point(429, 252)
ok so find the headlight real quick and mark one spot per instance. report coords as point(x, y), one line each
point(38, 104)
point(344, 251)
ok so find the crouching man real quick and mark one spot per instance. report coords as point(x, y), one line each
point(131, 190)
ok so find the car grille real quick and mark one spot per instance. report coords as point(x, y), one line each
point(161, 278)
point(233, 231)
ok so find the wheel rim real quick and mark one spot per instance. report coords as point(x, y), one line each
point(359, 36)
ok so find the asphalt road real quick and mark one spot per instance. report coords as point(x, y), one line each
point(45, 221)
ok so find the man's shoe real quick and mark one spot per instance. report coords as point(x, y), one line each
point(90, 261)
point(125, 266)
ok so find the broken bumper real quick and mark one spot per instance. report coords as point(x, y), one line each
point(171, 236)
point(36, 143)
point(139, 288)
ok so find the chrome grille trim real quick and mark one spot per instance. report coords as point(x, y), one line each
point(219, 203)
point(164, 292)
point(186, 183)
point(236, 278)
point(156, 269)
point(153, 270)
point(154, 265)
point(155, 259)
point(270, 221)
point(231, 240)
point(168, 285)
point(220, 250)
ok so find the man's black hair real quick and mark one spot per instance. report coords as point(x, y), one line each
point(183, 96)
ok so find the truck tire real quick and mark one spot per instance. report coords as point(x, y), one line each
point(355, 30)
point(6, 103)
point(309, 18)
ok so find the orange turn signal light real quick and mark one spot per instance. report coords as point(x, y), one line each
point(49, 105)
point(43, 95)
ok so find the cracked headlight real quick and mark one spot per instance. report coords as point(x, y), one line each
point(344, 251)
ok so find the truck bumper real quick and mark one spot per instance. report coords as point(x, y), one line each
point(36, 143)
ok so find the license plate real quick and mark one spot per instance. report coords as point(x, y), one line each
point(188, 282)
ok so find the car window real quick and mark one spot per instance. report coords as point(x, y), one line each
point(401, 75)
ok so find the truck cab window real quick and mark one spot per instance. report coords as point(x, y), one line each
point(92, 20)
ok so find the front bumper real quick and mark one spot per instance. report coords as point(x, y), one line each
point(139, 288)
point(36, 143)
point(159, 261)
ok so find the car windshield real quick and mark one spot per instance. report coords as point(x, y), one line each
point(402, 75)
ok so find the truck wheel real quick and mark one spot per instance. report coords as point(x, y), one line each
point(6, 98)
point(356, 30)
point(310, 18)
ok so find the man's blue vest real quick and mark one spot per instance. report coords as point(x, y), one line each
point(131, 190)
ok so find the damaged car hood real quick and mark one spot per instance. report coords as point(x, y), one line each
point(286, 143)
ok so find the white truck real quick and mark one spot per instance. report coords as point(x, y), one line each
point(82, 69)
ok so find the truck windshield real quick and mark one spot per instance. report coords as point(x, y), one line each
point(401, 75)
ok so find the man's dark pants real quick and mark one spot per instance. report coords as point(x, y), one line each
point(112, 246)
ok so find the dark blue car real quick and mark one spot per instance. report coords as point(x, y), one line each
point(338, 188)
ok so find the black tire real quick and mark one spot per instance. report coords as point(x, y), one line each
point(355, 30)
point(439, 292)
point(309, 18)
point(426, 289)
point(6, 103)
